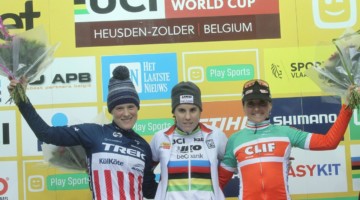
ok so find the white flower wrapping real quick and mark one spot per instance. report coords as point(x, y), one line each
point(24, 56)
point(68, 158)
point(341, 70)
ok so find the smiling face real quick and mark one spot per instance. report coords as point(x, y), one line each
point(187, 117)
point(334, 13)
point(125, 115)
point(36, 183)
point(257, 110)
point(334, 8)
point(196, 74)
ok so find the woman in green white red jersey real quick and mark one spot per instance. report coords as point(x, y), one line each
point(260, 152)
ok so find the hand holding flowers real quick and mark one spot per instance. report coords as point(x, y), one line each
point(23, 57)
point(340, 74)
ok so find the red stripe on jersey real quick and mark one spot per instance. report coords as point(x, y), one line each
point(132, 186)
point(176, 170)
point(120, 176)
point(204, 170)
point(109, 190)
point(355, 163)
point(97, 185)
point(140, 187)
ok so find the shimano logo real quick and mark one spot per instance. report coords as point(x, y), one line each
point(123, 150)
point(304, 119)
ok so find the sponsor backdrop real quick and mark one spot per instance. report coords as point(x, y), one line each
point(218, 44)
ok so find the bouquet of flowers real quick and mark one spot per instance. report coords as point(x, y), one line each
point(24, 56)
point(342, 69)
point(70, 158)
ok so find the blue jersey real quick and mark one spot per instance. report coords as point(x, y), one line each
point(119, 161)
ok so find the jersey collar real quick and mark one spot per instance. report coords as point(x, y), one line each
point(202, 127)
point(257, 126)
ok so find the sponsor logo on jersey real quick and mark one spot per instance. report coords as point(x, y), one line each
point(111, 161)
point(179, 141)
point(260, 148)
point(117, 134)
point(192, 156)
point(139, 168)
point(210, 143)
point(188, 148)
point(165, 145)
point(123, 150)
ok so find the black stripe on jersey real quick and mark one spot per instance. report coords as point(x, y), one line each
point(193, 175)
point(355, 167)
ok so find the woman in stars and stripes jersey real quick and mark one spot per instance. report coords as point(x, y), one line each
point(260, 152)
point(189, 151)
point(119, 160)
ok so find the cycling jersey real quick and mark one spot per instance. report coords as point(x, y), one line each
point(119, 161)
point(189, 164)
point(259, 153)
